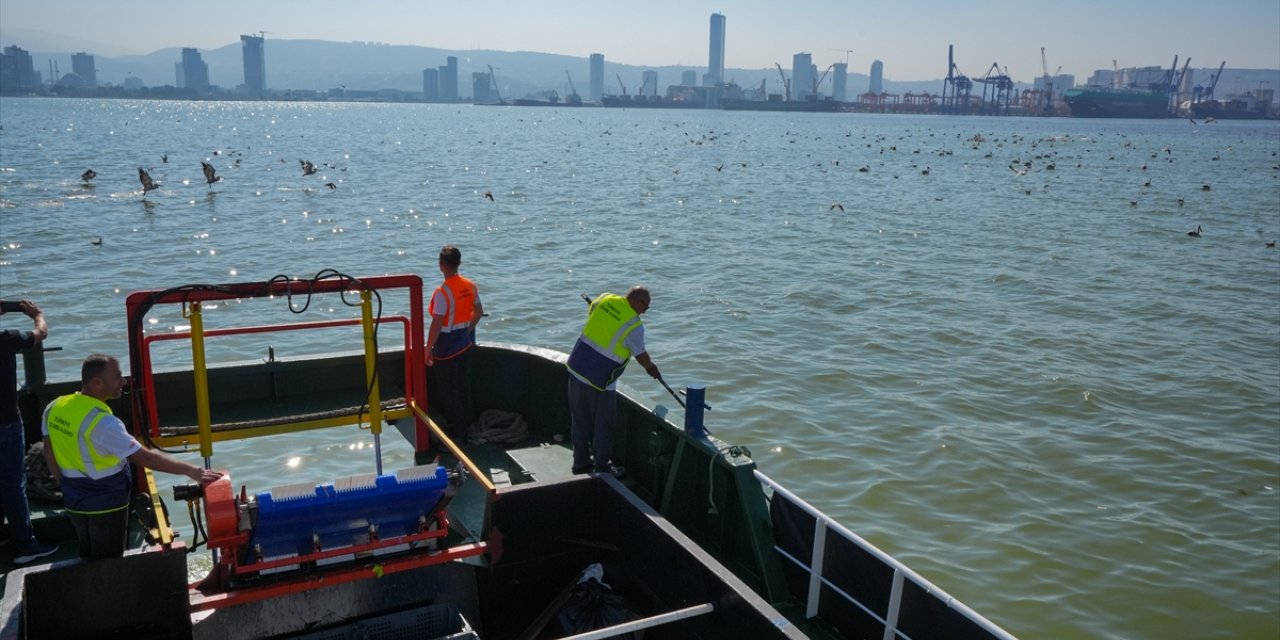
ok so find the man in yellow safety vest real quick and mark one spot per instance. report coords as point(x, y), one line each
point(613, 334)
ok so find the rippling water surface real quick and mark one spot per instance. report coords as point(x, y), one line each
point(1025, 381)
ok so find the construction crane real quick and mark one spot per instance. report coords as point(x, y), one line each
point(494, 80)
point(624, 87)
point(818, 82)
point(573, 98)
point(786, 84)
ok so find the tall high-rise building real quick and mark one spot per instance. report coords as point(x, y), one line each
point(877, 77)
point(193, 71)
point(430, 85)
point(839, 76)
point(481, 88)
point(82, 65)
point(801, 76)
point(597, 77)
point(17, 70)
point(715, 60)
point(689, 78)
point(255, 64)
point(449, 80)
point(649, 83)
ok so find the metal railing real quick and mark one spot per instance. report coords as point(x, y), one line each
point(901, 573)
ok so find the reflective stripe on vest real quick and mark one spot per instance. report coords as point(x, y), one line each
point(456, 335)
point(71, 421)
point(601, 353)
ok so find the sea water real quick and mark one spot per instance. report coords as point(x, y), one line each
point(988, 345)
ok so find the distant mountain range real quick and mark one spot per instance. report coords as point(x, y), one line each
point(323, 65)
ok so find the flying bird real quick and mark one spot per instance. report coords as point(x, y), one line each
point(88, 175)
point(307, 167)
point(164, 157)
point(331, 185)
point(209, 174)
point(835, 206)
point(489, 195)
point(147, 183)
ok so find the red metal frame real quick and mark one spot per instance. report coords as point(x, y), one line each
point(202, 601)
point(153, 412)
point(441, 530)
point(137, 303)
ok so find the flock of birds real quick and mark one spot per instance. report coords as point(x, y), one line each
point(210, 176)
point(1019, 167)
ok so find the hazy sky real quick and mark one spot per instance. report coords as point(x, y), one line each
point(910, 37)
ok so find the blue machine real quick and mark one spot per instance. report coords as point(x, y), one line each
point(301, 519)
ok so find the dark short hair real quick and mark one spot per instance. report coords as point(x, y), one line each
point(450, 255)
point(638, 291)
point(96, 365)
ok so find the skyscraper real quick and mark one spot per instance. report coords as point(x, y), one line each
point(597, 77)
point(430, 85)
point(255, 64)
point(482, 88)
point(82, 65)
point(689, 78)
point(715, 60)
point(877, 77)
point(193, 71)
point(801, 76)
point(449, 80)
point(17, 70)
point(839, 76)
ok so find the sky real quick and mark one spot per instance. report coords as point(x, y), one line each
point(910, 37)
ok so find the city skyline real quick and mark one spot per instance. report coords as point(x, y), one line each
point(911, 40)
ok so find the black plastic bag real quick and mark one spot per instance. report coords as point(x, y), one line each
point(592, 606)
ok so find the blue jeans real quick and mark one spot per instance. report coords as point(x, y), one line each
point(13, 484)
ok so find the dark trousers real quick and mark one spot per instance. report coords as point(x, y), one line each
point(13, 484)
point(101, 535)
point(590, 421)
point(453, 392)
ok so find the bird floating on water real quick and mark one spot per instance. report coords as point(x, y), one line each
point(1195, 233)
point(88, 175)
point(210, 174)
point(147, 183)
point(1205, 187)
point(96, 243)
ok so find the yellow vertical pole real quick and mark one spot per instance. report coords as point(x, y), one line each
point(371, 369)
point(201, 374)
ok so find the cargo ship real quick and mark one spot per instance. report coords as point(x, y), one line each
point(1107, 102)
point(643, 102)
point(1243, 107)
point(826, 105)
